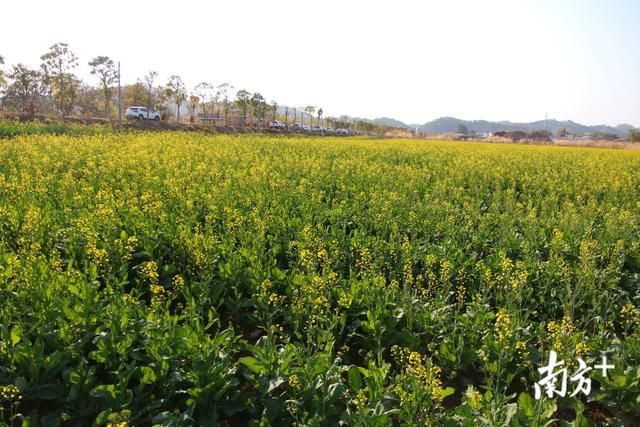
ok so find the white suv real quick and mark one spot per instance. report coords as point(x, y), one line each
point(140, 113)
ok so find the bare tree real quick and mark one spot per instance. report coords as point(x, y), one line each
point(149, 78)
point(24, 88)
point(177, 92)
point(104, 68)
point(223, 93)
point(259, 106)
point(3, 83)
point(57, 66)
point(194, 100)
point(203, 91)
point(310, 109)
point(243, 101)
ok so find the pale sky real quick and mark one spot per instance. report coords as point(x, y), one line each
point(410, 60)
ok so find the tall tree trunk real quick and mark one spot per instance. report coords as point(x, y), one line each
point(106, 104)
point(62, 95)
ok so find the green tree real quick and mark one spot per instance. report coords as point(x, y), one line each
point(24, 87)
point(463, 129)
point(194, 100)
point(243, 101)
point(274, 110)
point(176, 92)
point(259, 106)
point(634, 135)
point(104, 68)
point(320, 115)
point(58, 65)
point(3, 83)
point(134, 94)
point(149, 78)
point(223, 93)
point(310, 110)
point(90, 100)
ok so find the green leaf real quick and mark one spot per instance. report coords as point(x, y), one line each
point(103, 417)
point(446, 352)
point(549, 408)
point(51, 420)
point(355, 380)
point(447, 392)
point(75, 378)
point(48, 392)
point(620, 381)
point(526, 404)
point(253, 364)
point(148, 375)
point(15, 335)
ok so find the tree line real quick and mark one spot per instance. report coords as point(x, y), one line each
point(55, 89)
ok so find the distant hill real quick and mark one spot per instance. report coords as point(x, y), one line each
point(451, 124)
point(386, 121)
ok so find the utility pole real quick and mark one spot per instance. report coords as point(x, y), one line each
point(119, 99)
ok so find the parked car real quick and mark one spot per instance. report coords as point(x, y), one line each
point(306, 128)
point(295, 126)
point(316, 129)
point(140, 113)
point(277, 125)
point(342, 131)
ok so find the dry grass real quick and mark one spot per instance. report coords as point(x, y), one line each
point(597, 144)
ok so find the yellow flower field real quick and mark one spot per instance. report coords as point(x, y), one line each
point(186, 279)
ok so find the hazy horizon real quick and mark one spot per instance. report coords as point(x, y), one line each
point(406, 60)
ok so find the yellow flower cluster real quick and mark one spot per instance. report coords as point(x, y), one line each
point(361, 399)
point(474, 398)
point(445, 271)
point(364, 263)
point(130, 245)
point(559, 331)
point(307, 259)
point(295, 382)
point(149, 272)
point(581, 349)
point(98, 256)
point(503, 327)
point(423, 370)
point(277, 330)
point(345, 299)
point(177, 283)
point(130, 299)
point(630, 316)
point(158, 295)
point(523, 355)
point(10, 392)
point(519, 277)
point(461, 294)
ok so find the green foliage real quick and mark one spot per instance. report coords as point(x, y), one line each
point(10, 129)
